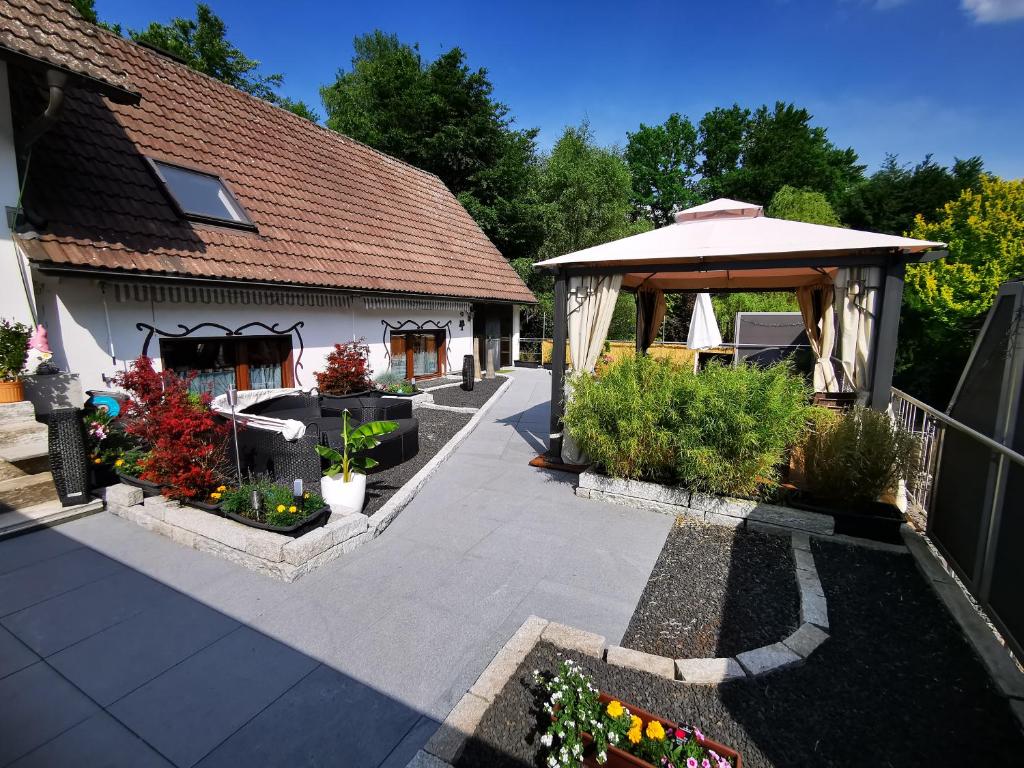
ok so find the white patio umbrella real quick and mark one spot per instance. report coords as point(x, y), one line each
point(704, 331)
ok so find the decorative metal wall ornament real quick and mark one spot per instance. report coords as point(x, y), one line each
point(413, 325)
point(187, 331)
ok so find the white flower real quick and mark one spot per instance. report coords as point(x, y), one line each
point(602, 757)
point(546, 739)
point(613, 737)
point(576, 750)
point(553, 762)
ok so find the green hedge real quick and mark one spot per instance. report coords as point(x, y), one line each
point(724, 430)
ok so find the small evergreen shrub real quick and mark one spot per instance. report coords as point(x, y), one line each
point(858, 457)
point(623, 418)
point(13, 349)
point(735, 424)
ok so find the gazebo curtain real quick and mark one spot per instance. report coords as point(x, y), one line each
point(817, 308)
point(591, 305)
point(857, 290)
point(650, 312)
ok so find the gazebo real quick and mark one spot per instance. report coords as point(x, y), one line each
point(849, 286)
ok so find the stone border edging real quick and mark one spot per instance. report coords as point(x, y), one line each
point(716, 510)
point(446, 744)
point(273, 554)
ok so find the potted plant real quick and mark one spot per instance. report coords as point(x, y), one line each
point(270, 506)
point(131, 465)
point(13, 351)
point(106, 444)
point(393, 385)
point(344, 481)
point(619, 735)
point(849, 464)
point(348, 370)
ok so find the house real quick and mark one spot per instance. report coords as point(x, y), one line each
point(166, 213)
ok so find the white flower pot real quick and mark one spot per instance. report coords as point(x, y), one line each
point(342, 497)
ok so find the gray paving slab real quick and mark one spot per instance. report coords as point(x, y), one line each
point(99, 741)
point(14, 654)
point(37, 705)
point(410, 620)
point(113, 663)
point(193, 707)
point(327, 718)
point(48, 578)
point(54, 624)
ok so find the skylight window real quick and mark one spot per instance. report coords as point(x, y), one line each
point(201, 196)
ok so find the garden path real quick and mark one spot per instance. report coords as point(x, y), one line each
point(120, 647)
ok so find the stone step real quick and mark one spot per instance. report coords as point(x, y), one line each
point(45, 515)
point(34, 447)
point(9, 470)
point(26, 491)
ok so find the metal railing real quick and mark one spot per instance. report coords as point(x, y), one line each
point(530, 350)
point(929, 426)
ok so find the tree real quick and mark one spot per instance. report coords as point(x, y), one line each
point(663, 162)
point(895, 194)
point(586, 192)
point(300, 108)
point(87, 9)
point(202, 44)
point(721, 133)
point(946, 300)
point(802, 205)
point(441, 116)
point(781, 147)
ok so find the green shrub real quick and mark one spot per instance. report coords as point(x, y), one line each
point(858, 457)
point(724, 430)
point(279, 507)
point(623, 419)
point(735, 424)
point(13, 349)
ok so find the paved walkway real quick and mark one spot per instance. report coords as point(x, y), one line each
point(120, 647)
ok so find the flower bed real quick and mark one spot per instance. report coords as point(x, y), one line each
point(271, 507)
point(593, 727)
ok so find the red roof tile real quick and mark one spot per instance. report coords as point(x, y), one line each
point(53, 33)
point(330, 212)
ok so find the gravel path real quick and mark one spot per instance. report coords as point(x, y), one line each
point(436, 429)
point(896, 685)
point(716, 592)
point(482, 391)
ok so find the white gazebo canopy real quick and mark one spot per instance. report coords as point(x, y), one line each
point(715, 246)
point(848, 284)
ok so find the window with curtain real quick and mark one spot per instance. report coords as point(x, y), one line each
point(417, 355)
point(243, 362)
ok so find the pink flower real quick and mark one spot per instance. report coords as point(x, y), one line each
point(705, 763)
point(691, 762)
point(723, 763)
point(698, 734)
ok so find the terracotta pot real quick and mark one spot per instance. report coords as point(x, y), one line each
point(618, 758)
point(11, 391)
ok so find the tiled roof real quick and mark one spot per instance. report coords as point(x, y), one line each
point(53, 33)
point(330, 212)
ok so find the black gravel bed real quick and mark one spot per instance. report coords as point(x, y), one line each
point(716, 591)
point(457, 396)
point(896, 685)
point(436, 429)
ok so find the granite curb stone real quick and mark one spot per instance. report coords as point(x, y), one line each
point(645, 662)
point(708, 671)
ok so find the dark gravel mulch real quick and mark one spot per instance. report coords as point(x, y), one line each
point(716, 592)
point(436, 429)
point(457, 396)
point(896, 685)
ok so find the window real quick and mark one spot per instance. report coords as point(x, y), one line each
point(247, 362)
point(417, 355)
point(201, 196)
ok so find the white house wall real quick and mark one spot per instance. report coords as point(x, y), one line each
point(14, 301)
point(72, 309)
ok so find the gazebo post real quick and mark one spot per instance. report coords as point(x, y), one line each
point(561, 311)
point(887, 332)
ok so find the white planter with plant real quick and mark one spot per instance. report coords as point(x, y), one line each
point(344, 483)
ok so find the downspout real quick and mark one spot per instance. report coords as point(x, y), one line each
point(56, 81)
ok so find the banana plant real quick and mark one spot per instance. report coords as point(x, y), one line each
point(355, 441)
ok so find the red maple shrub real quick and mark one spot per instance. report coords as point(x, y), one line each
point(347, 369)
point(187, 442)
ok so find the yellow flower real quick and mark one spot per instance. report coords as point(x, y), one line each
point(119, 462)
point(305, 495)
point(221, 488)
point(615, 709)
point(655, 730)
point(292, 508)
point(634, 735)
point(215, 495)
point(97, 460)
point(280, 507)
point(635, 723)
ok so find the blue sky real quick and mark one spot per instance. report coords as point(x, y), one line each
point(904, 76)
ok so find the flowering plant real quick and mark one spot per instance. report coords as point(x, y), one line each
point(104, 440)
point(578, 714)
point(278, 506)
